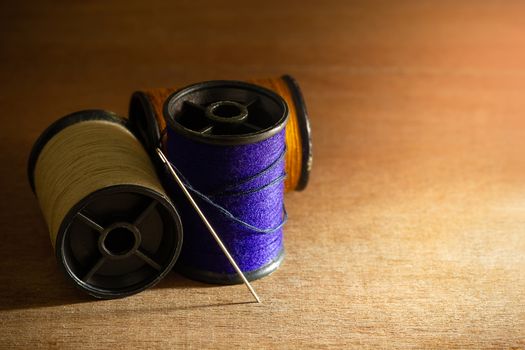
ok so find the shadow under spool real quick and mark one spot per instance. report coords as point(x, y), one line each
point(146, 117)
point(229, 116)
point(104, 224)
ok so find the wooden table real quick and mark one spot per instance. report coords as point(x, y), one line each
point(411, 233)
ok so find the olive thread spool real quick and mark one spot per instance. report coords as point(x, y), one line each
point(146, 115)
point(113, 228)
point(226, 139)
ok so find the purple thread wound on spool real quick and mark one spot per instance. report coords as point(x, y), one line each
point(227, 141)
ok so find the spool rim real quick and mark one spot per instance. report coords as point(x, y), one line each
point(305, 131)
point(143, 122)
point(61, 124)
point(103, 293)
point(233, 278)
point(226, 139)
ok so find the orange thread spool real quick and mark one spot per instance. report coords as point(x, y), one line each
point(146, 114)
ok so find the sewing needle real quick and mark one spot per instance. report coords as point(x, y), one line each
point(207, 223)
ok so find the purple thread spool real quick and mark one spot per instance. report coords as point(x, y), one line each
point(226, 139)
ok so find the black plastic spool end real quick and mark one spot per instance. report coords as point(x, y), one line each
point(143, 123)
point(304, 129)
point(231, 278)
point(226, 112)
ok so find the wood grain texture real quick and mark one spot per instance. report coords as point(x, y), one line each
point(411, 233)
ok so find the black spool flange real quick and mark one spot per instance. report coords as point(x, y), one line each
point(118, 240)
point(143, 123)
point(304, 129)
point(222, 278)
point(226, 113)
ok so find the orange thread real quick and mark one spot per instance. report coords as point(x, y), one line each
point(294, 155)
point(294, 152)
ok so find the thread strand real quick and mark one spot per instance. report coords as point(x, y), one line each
point(228, 214)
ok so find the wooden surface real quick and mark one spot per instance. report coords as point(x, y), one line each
point(411, 233)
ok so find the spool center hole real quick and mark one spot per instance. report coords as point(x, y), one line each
point(119, 241)
point(227, 111)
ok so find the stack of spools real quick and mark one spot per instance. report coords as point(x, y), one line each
point(114, 213)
